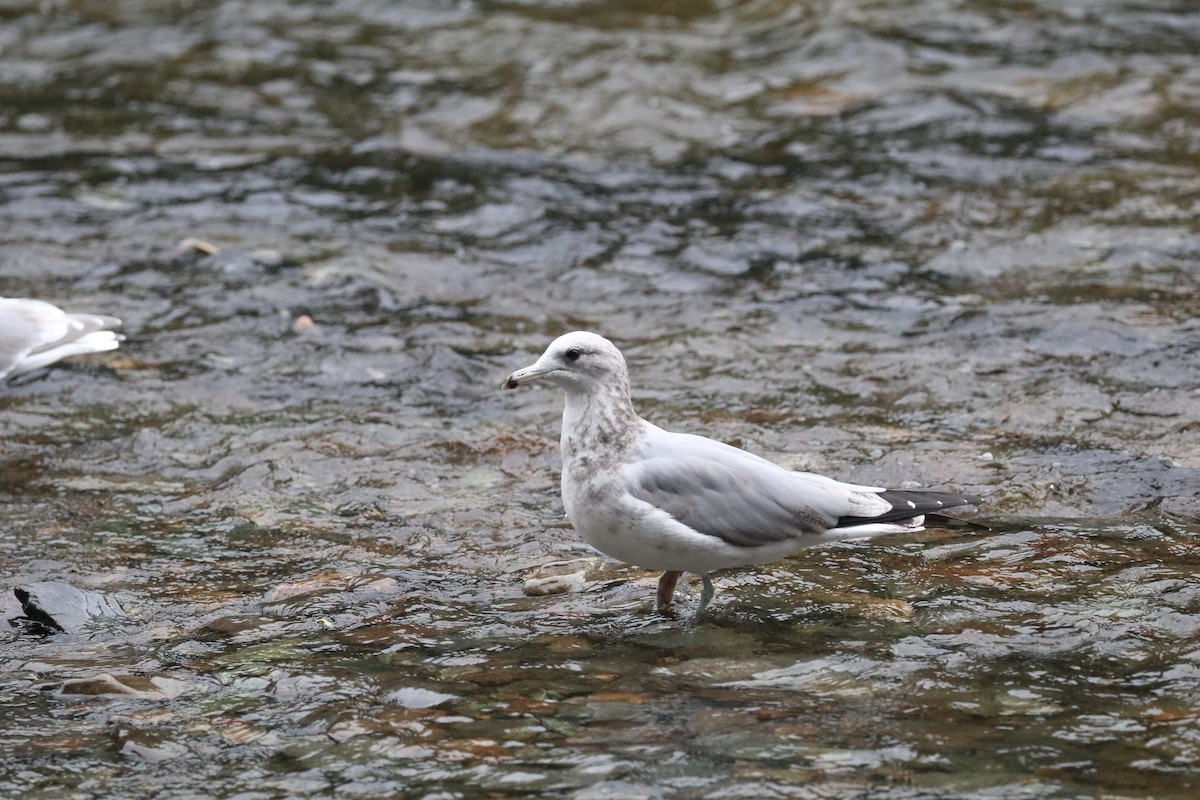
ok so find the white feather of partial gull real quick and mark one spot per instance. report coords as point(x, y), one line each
point(34, 333)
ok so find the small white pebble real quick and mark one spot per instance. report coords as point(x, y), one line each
point(303, 323)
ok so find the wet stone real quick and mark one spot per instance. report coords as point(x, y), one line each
point(619, 790)
point(145, 746)
point(138, 686)
point(63, 607)
point(1188, 507)
point(416, 697)
point(559, 577)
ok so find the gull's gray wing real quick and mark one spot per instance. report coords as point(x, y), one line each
point(736, 496)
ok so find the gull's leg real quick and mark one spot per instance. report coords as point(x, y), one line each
point(706, 594)
point(666, 589)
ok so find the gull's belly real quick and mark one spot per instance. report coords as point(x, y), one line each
point(623, 527)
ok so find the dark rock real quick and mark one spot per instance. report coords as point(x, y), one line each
point(62, 607)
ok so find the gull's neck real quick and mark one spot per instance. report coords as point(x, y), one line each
point(600, 424)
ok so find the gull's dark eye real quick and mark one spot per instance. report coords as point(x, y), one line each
point(573, 354)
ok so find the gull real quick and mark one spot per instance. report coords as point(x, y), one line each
point(684, 503)
point(34, 333)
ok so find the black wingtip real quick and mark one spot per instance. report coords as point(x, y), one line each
point(906, 505)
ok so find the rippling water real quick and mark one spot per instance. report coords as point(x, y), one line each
point(947, 242)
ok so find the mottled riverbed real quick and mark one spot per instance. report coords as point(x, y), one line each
point(952, 243)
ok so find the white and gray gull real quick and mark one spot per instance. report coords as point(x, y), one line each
point(684, 503)
point(34, 333)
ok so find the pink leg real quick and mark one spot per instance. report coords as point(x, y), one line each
point(666, 589)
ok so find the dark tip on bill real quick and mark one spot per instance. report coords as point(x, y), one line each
point(511, 384)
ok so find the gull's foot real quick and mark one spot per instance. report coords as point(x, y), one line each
point(666, 590)
point(706, 595)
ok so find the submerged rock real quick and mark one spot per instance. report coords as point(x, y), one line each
point(62, 607)
point(145, 687)
point(559, 577)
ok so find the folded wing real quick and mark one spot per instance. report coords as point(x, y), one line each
point(747, 501)
point(738, 497)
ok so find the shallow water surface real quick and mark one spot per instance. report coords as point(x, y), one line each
point(945, 243)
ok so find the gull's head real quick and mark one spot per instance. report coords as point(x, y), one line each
point(578, 362)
